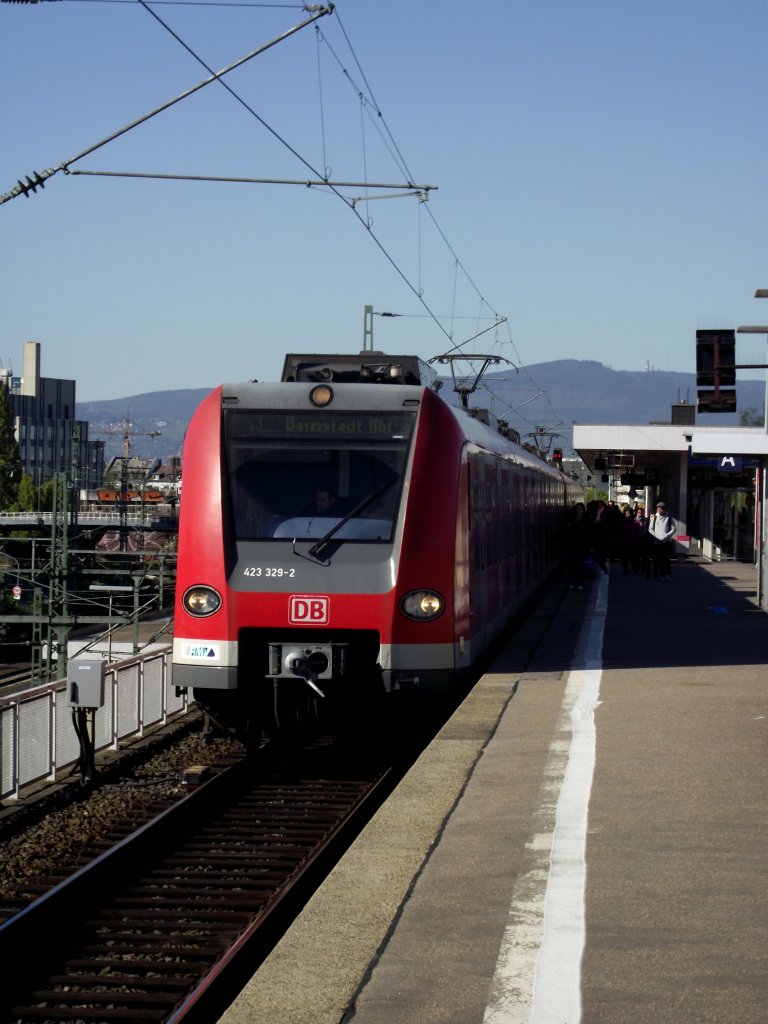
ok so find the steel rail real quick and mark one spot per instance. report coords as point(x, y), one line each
point(168, 924)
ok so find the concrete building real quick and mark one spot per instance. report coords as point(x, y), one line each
point(50, 439)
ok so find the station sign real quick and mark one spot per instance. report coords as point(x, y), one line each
point(730, 464)
point(723, 463)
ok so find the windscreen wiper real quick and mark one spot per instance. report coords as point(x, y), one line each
point(350, 515)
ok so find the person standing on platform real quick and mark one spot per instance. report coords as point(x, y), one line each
point(601, 533)
point(614, 521)
point(645, 542)
point(662, 530)
point(632, 531)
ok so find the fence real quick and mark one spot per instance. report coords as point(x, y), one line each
point(37, 737)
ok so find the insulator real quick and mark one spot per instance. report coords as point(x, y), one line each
point(29, 184)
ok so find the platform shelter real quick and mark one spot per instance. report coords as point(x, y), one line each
point(710, 478)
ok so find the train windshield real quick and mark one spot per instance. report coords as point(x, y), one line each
point(296, 475)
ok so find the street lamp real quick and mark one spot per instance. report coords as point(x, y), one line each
point(751, 329)
point(762, 554)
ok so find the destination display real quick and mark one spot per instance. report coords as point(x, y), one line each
point(358, 426)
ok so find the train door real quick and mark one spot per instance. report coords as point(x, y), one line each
point(491, 528)
point(733, 530)
point(504, 530)
point(478, 605)
point(516, 529)
point(463, 566)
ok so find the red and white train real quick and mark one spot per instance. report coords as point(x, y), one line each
point(346, 531)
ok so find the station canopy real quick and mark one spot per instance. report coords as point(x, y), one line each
point(628, 448)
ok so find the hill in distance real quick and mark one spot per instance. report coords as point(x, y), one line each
point(584, 391)
point(574, 391)
point(162, 413)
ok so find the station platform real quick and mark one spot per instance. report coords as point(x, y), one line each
point(585, 840)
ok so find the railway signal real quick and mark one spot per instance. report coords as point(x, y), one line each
point(716, 370)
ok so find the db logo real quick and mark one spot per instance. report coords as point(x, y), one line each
point(309, 609)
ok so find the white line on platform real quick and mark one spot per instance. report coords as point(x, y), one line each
point(538, 972)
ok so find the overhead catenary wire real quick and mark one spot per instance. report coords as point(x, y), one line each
point(381, 126)
point(24, 188)
point(175, 3)
point(303, 182)
point(351, 205)
point(368, 106)
point(394, 148)
point(440, 316)
point(397, 154)
point(326, 168)
point(39, 178)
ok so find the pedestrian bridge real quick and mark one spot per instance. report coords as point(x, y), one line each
point(136, 520)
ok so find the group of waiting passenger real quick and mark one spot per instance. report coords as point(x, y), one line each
point(601, 532)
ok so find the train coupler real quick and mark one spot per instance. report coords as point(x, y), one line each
point(302, 666)
point(310, 662)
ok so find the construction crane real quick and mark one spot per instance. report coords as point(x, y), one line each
point(128, 433)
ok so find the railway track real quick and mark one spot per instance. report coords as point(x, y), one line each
point(12, 678)
point(169, 924)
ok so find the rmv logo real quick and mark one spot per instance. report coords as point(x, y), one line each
point(309, 609)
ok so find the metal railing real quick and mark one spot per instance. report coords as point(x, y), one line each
point(38, 741)
point(135, 518)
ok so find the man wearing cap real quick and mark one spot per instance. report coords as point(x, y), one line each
point(662, 529)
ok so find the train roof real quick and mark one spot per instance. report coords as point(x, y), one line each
point(478, 426)
point(368, 367)
point(481, 428)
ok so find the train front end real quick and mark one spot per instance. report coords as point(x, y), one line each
point(293, 520)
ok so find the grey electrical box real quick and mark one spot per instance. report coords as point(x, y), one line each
point(85, 684)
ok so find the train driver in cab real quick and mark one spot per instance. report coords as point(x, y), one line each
point(325, 499)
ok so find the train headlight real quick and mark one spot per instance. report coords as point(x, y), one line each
point(201, 601)
point(422, 605)
point(321, 396)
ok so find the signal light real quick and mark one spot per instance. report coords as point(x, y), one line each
point(716, 401)
point(557, 458)
point(716, 370)
point(715, 359)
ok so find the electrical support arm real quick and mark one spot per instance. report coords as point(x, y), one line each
point(31, 183)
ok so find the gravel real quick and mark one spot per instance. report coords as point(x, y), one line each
point(71, 823)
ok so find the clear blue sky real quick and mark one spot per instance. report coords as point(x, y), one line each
point(600, 172)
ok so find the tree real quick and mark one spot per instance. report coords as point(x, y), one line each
point(45, 496)
point(10, 460)
point(751, 417)
point(596, 494)
point(27, 496)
